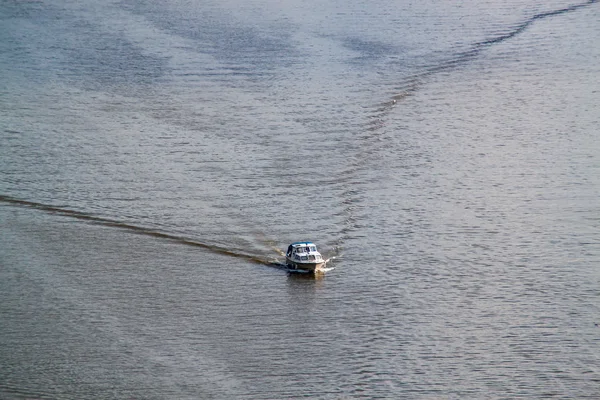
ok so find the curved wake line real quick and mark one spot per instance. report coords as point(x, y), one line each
point(466, 56)
point(133, 228)
point(479, 46)
point(531, 20)
point(413, 83)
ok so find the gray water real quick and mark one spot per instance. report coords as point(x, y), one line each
point(155, 157)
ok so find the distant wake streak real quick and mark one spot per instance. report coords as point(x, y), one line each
point(477, 48)
point(136, 229)
point(531, 20)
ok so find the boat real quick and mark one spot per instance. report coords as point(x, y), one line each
point(304, 257)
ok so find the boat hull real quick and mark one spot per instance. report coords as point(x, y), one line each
point(313, 267)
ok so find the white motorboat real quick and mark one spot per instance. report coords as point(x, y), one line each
point(304, 257)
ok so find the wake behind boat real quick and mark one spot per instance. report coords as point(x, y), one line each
point(304, 257)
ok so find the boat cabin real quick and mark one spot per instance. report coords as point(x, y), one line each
point(303, 251)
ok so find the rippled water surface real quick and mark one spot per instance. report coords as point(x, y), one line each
point(155, 157)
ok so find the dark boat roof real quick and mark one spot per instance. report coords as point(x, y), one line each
point(295, 244)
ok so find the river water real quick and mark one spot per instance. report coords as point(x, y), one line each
point(155, 157)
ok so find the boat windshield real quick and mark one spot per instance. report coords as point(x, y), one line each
point(305, 249)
